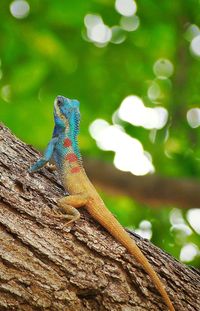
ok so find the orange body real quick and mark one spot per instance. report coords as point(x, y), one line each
point(77, 183)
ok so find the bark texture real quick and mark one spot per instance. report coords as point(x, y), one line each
point(45, 266)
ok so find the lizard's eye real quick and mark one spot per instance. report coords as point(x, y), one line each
point(59, 102)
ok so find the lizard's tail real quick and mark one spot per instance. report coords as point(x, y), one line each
point(108, 221)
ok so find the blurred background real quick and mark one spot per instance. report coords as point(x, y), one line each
point(135, 68)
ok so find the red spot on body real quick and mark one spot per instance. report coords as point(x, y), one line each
point(67, 142)
point(75, 170)
point(71, 157)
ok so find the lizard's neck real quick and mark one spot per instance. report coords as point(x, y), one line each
point(67, 154)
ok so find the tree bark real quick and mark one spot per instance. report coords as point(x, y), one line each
point(47, 266)
point(152, 190)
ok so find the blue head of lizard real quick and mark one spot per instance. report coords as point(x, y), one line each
point(67, 120)
point(66, 115)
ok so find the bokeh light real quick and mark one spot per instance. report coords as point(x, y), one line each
point(191, 32)
point(193, 216)
point(100, 33)
point(154, 91)
point(176, 216)
point(19, 8)
point(126, 7)
point(182, 232)
point(163, 68)
point(118, 35)
point(91, 20)
point(130, 23)
point(129, 153)
point(193, 117)
point(195, 45)
point(97, 31)
point(133, 110)
point(145, 229)
point(179, 229)
point(189, 252)
point(6, 93)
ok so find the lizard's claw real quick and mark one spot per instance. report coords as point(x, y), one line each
point(51, 167)
point(68, 214)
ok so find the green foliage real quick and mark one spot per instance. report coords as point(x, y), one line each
point(47, 53)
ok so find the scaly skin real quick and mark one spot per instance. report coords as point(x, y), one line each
point(64, 149)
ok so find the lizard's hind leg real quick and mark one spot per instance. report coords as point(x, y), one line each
point(68, 207)
point(68, 213)
point(76, 200)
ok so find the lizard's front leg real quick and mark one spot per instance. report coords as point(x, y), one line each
point(46, 157)
point(68, 207)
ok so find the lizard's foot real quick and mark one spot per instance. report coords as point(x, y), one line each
point(67, 208)
point(69, 213)
point(51, 167)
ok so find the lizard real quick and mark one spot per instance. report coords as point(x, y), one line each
point(64, 149)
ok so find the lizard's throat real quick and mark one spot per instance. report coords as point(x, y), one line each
point(72, 161)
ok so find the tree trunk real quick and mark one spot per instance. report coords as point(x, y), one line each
point(45, 266)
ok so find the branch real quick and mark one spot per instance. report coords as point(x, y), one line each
point(151, 189)
point(45, 266)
